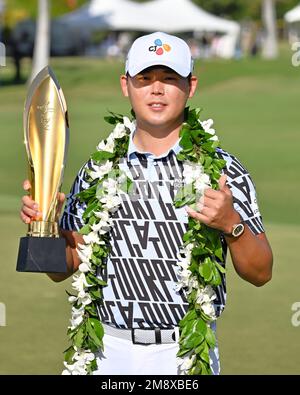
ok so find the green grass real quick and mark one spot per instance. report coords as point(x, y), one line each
point(254, 104)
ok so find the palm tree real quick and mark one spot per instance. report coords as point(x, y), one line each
point(270, 46)
point(42, 39)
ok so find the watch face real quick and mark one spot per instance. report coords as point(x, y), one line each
point(238, 230)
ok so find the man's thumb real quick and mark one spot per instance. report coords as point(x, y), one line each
point(222, 182)
point(61, 199)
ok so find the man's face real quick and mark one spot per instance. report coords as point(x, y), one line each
point(158, 96)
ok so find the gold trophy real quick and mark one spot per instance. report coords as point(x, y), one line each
point(46, 132)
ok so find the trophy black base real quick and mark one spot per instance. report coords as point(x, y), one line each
point(42, 255)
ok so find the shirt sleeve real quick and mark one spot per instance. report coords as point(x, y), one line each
point(243, 191)
point(71, 218)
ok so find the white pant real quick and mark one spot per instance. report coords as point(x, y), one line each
point(122, 357)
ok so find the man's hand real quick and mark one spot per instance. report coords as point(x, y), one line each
point(30, 210)
point(251, 254)
point(216, 208)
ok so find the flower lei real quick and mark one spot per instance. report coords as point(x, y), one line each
point(198, 270)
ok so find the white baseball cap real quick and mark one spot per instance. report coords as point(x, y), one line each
point(159, 49)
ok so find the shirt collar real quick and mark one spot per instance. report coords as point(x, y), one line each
point(132, 148)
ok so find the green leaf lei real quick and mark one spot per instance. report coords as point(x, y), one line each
point(197, 257)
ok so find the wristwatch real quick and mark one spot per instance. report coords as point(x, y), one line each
point(237, 230)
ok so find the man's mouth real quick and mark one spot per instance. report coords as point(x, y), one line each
point(157, 105)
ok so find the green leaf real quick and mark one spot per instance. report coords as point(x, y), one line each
point(110, 120)
point(95, 332)
point(97, 326)
point(186, 142)
point(201, 327)
point(220, 268)
point(206, 271)
point(219, 252)
point(79, 337)
point(87, 193)
point(69, 353)
point(91, 208)
point(210, 338)
point(182, 352)
point(184, 195)
point(101, 156)
point(85, 230)
point(127, 185)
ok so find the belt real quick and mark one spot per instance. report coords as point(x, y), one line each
point(143, 336)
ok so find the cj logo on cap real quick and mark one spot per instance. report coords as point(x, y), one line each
point(159, 48)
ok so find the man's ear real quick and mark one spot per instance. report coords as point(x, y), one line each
point(193, 85)
point(124, 87)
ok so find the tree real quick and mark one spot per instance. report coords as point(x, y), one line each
point(270, 46)
point(42, 39)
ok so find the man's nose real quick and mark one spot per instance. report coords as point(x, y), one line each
point(158, 88)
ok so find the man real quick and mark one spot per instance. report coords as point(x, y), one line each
point(148, 229)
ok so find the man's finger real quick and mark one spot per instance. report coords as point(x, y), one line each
point(211, 193)
point(199, 216)
point(30, 212)
point(61, 197)
point(222, 182)
point(24, 218)
point(26, 185)
point(27, 201)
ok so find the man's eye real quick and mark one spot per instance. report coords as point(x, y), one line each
point(144, 78)
point(170, 78)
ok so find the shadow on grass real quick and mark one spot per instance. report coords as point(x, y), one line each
point(12, 81)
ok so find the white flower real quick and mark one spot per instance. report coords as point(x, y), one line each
point(108, 146)
point(185, 363)
point(209, 310)
point(100, 171)
point(183, 279)
point(207, 127)
point(84, 252)
point(77, 316)
point(110, 202)
point(72, 299)
point(66, 372)
point(85, 299)
point(191, 172)
point(85, 267)
point(78, 312)
point(84, 356)
point(76, 369)
point(92, 237)
point(80, 283)
point(184, 275)
point(119, 131)
point(102, 227)
point(111, 186)
point(81, 361)
point(130, 125)
point(206, 294)
point(75, 322)
point(205, 297)
point(202, 183)
point(103, 215)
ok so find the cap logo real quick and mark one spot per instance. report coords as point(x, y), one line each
point(159, 48)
